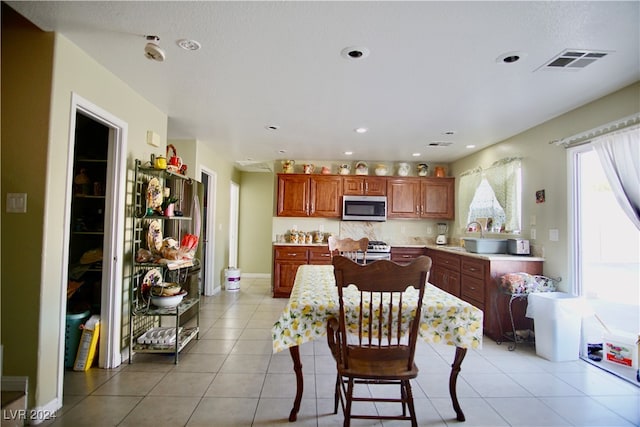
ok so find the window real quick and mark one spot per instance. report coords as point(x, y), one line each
point(493, 193)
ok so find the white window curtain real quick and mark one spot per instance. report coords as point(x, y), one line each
point(619, 153)
point(504, 177)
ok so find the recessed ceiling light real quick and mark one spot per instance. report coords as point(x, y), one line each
point(416, 154)
point(348, 153)
point(510, 57)
point(282, 151)
point(471, 146)
point(272, 127)
point(361, 130)
point(449, 132)
point(187, 44)
point(355, 52)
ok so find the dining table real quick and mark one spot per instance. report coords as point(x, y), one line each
point(445, 319)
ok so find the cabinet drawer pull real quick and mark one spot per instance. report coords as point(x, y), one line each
point(406, 256)
point(290, 254)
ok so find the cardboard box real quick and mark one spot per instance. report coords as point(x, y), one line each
point(88, 344)
point(621, 348)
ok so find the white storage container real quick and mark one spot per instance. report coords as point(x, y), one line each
point(557, 319)
point(620, 348)
point(232, 279)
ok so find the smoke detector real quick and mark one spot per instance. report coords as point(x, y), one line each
point(152, 50)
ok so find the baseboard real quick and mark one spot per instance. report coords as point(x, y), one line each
point(44, 413)
point(256, 275)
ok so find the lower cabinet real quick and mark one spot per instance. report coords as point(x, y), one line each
point(287, 259)
point(477, 280)
point(404, 255)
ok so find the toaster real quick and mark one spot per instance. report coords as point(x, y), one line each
point(518, 247)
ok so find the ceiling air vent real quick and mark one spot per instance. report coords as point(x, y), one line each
point(574, 59)
point(440, 144)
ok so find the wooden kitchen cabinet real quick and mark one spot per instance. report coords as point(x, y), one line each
point(477, 282)
point(302, 195)
point(364, 186)
point(318, 255)
point(437, 198)
point(287, 259)
point(403, 198)
point(445, 272)
point(404, 255)
point(427, 198)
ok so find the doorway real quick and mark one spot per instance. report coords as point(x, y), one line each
point(234, 204)
point(209, 180)
point(606, 266)
point(94, 225)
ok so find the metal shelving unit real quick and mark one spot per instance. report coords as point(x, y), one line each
point(144, 316)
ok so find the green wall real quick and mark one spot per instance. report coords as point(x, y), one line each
point(27, 67)
point(255, 221)
point(545, 167)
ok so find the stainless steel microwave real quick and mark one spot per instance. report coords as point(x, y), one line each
point(364, 208)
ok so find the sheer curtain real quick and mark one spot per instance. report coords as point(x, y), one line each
point(619, 153)
point(504, 178)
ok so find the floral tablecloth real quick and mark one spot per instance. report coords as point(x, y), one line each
point(445, 318)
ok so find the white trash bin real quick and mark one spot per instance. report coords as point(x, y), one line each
point(557, 319)
point(232, 279)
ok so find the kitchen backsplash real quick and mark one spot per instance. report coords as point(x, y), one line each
point(396, 232)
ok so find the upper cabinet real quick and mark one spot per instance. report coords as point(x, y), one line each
point(303, 195)
point(437, 198)
point(403, 198)
point(309, 195)
point(431, 198)
point(364, 186)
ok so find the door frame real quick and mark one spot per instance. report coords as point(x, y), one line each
point(209, 286)
point(113, 245)
point(234, 206)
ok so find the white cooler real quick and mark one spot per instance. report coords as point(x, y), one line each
point(557, 319)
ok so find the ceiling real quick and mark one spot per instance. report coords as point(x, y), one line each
point(433, 74)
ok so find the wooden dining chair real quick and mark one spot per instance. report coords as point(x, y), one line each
point(373, 340)
point(348, 247)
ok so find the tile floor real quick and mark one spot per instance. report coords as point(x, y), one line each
point(231, 378)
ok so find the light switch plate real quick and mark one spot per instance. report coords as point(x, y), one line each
point(533, 234)
point(153, 138)
point(17, 202)
point(554, 235)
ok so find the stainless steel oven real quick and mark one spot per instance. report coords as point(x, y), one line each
point(375, 251)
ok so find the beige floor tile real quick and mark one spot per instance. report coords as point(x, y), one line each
point(184, 384)
point(196, 362)
point(256, 334)
point(275, 412)
point(130, 384)
point(246, 364)
point(236, 385)
point(100, 411)
point(284, 385)
point(217, 333)
point(212, 346)
point(253, 347)
point(223, 412)
point(83, 383)
point(155, 411)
